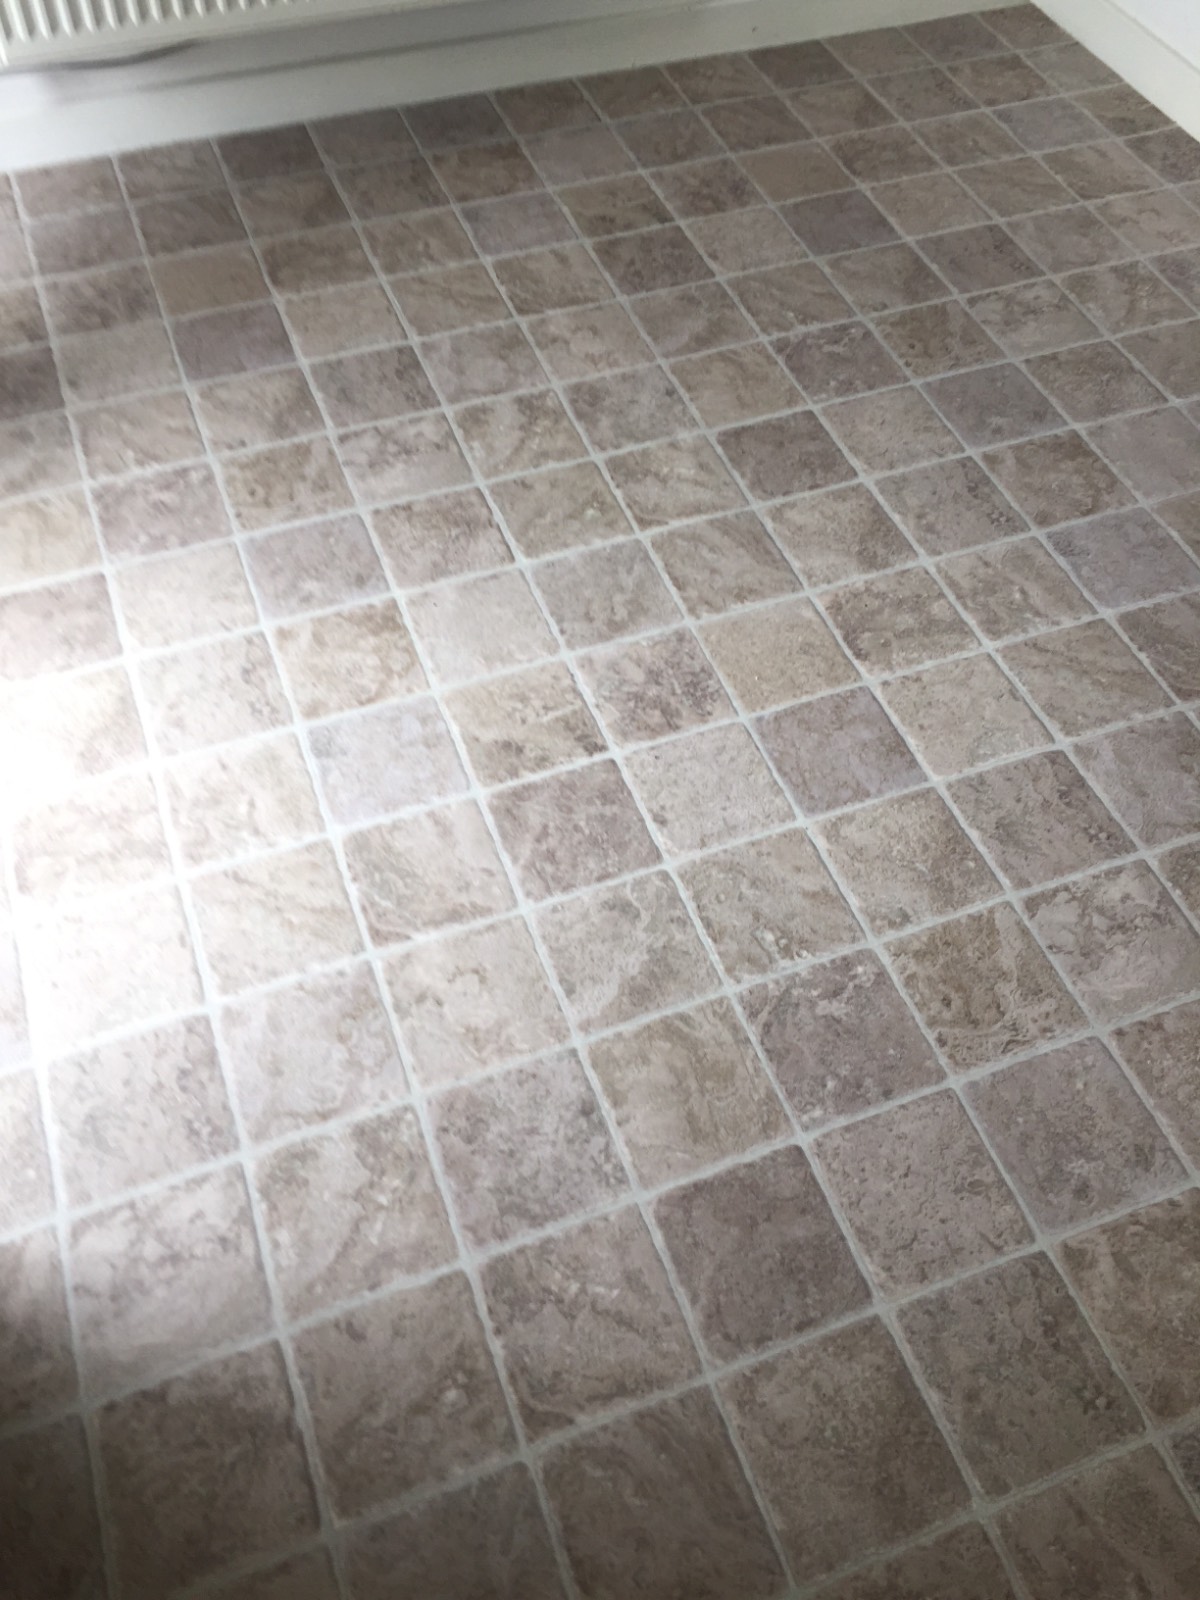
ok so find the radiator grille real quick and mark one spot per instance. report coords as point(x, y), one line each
point(33, 32)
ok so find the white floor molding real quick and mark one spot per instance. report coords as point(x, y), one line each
point(1149, 63)
point(325, 71)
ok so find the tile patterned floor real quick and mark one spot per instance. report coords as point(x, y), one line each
point(599, 953)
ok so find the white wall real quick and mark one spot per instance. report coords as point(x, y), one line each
point(1154, 44)
point(1176, 22)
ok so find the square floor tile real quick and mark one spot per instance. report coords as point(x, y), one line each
point(136, 1110)
point(786, 455)
point(559, 508)
point(349, 1211)
point(1049, 1397)
point(585, 1321)
point(686, 1091)
point(1073, 1135)
point(708, 788)
point(1084, 678)
point(1038, 819)
point(625, 950)
point(1125, 557)
point(36, 1342)
point(1028, 318)
point(105, 835)
point(674, 481)
point(820, 1030)
point(479, 625)
point(161, 511)
point(838, 750)
point(961, 714)
point(1126, 296)
point(876, 1475)
point(658, 1500)
point(205, 1470)
point(840, 534)
point(921, 1193)
point(1013, 588)
point(524, 723)
point(457, 1001)
point(768, 904)
point(308, 568)
point(1120, 939)
point(897, 621)
point(836, 362)
point(349, 659)
point(213, 693)
point(427, 871)
point(894, 429)
point(950, 505)
point(759, 1253)
point(727, 562)
point(273, 916)
point(572, 829)
point(1159, 1052)
point(961, 1565)
point(442, 536)
point(599, 595)
point(1166, 635)
point(1056, 479)
point(241, 798)
point(159, 1279)
point(518, 433)
point(310, 1051)
point(1150, 773)
point(993, 404)
point(525, 1148)
point(983, 987)
point(378, 1381)
point(777, 653)
point(906, 860)
point(651, 687)
point(930, 340)
point(628, 408)
point(386, 759)
point(1157, 452)
point(735, 385)
point(1091, 381)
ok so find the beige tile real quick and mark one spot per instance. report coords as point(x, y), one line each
point(949, 506)
point(778, 653)
point(320, 564)
point(310, 1051)
point(273, 916)
point(681, 478)
point(899, 621)
point(582, 343)
point(686, 1092)
point(385, 759)
point(650, 687)
point(403, 1394)
point(730, 561)
point(892, 429)
point(212, 693)
point(160, 1279)
point(557, 509)
point(445, 535)
point(261, 408)
point(572, 829)
point(187, 1495)
point(57, 628)
point(44, 537)
point(242, 798)
point(624, 950)
point(518, 433)
point(106, 835)
point(132, 435)
point(349, 659)
point(284, 484)
point(139, 1109)
point(332, 321)
point(839, 534)
point(208, 280)
point(479, 625)
point(922, 1195)
point(687, 320)
point(586, 1321)
point(177, 598)
point(164, 510)
point(28, 1194)
point(931, 707)
point(36, 1343)
point(658, 1499)
point(116, 361)
point(1159, 1052)
point(1084, 678)
point(708, 788)
point(1049, 1398)
point(103, 964)
point(60, 729)
point(1013, 588)
point(600, 595)
point(427, 871)
point(524, 723)
point(352, 1210)
point(838, 750)
point(876, 1466)
point(456, 1001)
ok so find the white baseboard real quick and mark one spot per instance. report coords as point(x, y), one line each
point(1151, 64)
point(400, 59)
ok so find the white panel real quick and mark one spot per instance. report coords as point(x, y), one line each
point(1152, 65)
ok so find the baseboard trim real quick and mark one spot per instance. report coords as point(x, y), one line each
point(1154, 67)
point(51, 117)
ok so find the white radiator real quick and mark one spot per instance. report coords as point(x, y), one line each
point(44, 33)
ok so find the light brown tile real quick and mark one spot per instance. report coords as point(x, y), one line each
point(708, 788)
point(583, 343)
point(310, 1051)
point(319, 259)
point(518, 433)
point(794, 171)
point(1156, 451)
point(784, 299)
point(1073, 1135)
point(159, 1279)
point(386, 759)
point(457, 1001)
point(46, 536)
point(56, 628)
point(1038, 819)
point(205, 1470)
point(1127, 296)
point(1084, 678)
point(352, 1210)
point(572, 829)
point(553, 510)
point(983, 987)
point(686, 1091)
point(930, 340)
point(625, 950)
point(1013, 588)
point(53, 1548)
point(838, 750)
point(525, 1148)
point(1159, 1052)
point(840, 534)
point(1165, 634)
point(371, 385)
point(479, 625)
point(427, 871)
point(735, 385)
point(1151, 775)
point(447, 1546)
point(61, 729)
point(876, 1475)
point(331, 321)
point(445, 535)
point(313, 566)
point(651, 687)
point(585, 1321)
point(729, 561)
point(906, 860)
point(928, 203)
point(1049, 1398)
point(100, 964)
point(921, 1193)
point(480, 362)
point(260, 409)
point(960, 1565)
point(524, 723)
point(273, 916)
point(628, 408)
point(1120, 939)
point(84, 240)
point(896, 428)
point(36, 1340)
point(1028, 318)
point(687, 320)
point(346, 660)
point(454, 297)
point(284, 484)
point(28, 1191)
point(161, 511)
point(601, 594)
point(738, 241)
point(950, 505)
point(777, 653)
point(1121, 1522)
point(208, 280)
point(131, 435)
point(658, 1499)
point(216, 344)
point(212, 692)
point(930, 706)
point(1125, 557)
point(1091, 381)
point(84, 302)
point(242, 798)
point(104, 835)
point(898, 621)
point(461, 120)
point(1056, 479)
point(1181, 868)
